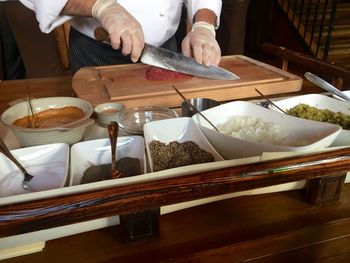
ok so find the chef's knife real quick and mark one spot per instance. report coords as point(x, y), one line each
point(169, 60)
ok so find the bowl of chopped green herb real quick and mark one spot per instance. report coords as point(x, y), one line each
point(320, 108)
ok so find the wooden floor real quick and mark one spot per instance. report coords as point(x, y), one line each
point(278, 227)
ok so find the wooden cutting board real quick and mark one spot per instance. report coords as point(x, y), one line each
point(127, 84)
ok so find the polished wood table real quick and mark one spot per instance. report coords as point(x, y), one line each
point(260, 228)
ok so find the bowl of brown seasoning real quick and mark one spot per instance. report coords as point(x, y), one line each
point(175, 143)
point(54, 120)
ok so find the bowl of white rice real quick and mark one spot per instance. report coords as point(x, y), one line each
point(246, 129)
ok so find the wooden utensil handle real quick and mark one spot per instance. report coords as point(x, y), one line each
point(113, 129)
point(113, 133)
point(101, 35)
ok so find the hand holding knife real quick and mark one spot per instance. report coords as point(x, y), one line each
point(125, 31)
point(169, 60)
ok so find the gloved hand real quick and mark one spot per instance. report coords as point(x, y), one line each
point(124, 30)
point(202, 44)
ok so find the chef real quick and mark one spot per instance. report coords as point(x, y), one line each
point(130, 23)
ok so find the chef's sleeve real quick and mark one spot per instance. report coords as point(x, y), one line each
point(47, 13)
point(194, 5)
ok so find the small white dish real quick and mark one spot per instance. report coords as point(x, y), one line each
point(177, 129)
point(320, 101)
point(107, 112)
point(96, 152)
point(300, 134)
point(48, 163)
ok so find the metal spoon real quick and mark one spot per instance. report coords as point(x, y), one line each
point(270, 101)
point(113, 129)
point(194, 108)
point(31, 109)
point(8, 154)
point(325, 85)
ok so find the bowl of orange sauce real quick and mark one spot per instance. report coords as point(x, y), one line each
point(54, 120)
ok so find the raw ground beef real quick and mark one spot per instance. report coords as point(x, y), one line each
point(155, 73)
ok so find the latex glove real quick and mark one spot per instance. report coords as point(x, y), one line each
point(124, 30)
point(202, 44)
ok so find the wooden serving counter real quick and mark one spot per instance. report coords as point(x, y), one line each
point(277, 227)
point(258, 228)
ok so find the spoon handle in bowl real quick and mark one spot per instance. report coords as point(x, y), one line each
point(8, 154)
point(113, 129)
point(325, 85)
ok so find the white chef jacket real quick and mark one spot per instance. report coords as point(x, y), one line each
point(159, 18)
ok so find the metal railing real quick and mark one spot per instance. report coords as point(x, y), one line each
point(313, 20)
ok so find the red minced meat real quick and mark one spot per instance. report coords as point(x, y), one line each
point(155, 73)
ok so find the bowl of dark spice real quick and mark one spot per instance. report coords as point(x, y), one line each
point(177, 142)
point(177, 154)
point(91, 160)
point(128, 166)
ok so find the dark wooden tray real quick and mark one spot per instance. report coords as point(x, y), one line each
point(327, 168)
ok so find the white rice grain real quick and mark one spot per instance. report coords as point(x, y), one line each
point(255, 130)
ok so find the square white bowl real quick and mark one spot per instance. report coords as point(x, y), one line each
point(97, 152)
point(48, 163)
point(178, 129)
point(320, 102)
point(314, 135)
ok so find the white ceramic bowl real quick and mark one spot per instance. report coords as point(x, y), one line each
point(321, 102)
point(48, 163)
point(96, 152)
point(178, 129)
point(68, 133)
point(299, 134)
point(107, 112)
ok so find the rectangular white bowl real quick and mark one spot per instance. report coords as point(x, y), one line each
point(317, 135)
point(176, 129)
point(48, 163)
point(96, 152)
point(321, 102)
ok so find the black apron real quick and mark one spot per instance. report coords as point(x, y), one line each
point(87, 52)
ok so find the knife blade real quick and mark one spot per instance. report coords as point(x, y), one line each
point(169, 60)
point(166, 59)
